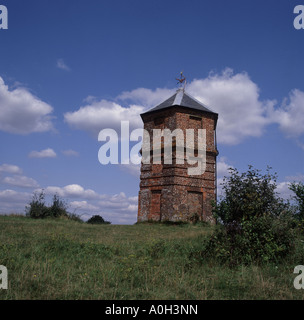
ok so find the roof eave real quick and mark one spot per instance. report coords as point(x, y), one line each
point(178, 106)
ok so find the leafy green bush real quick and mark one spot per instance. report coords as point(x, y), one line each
point(248, 194)
point(256, 240)
point(58, 208)
point(38, 209)
point(255, 224)
point(298, 189)
point(97, 220)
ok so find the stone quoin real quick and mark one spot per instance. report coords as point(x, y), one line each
point(167, 191)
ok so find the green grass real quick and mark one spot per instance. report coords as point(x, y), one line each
point(62, 259)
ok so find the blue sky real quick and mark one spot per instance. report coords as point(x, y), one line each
point(71, 68)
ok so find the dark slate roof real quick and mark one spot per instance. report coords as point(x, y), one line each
point(183, 99)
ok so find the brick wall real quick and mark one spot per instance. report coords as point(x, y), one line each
point(167, 192)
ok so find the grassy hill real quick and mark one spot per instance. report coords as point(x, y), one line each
point(63, 259)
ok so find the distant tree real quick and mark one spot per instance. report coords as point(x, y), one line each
point(97, 220)
point(58, 208)
point(36, 208)
point(298, 189)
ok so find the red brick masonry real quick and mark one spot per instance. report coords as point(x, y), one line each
point(167, 192)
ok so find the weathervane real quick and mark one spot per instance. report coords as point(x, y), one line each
point(182, 81)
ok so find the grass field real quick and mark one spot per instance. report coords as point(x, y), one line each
point(63, 259)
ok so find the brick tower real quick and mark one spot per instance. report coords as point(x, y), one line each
point(167, 191)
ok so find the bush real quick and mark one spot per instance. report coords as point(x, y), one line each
point(37, 208)
point(97, 220)
point(298, 189)
point(58, 208)
point(248, 194)
point(256, 240)
point(255, 224)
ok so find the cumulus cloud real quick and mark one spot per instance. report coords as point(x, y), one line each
point(146, 97)
point(235, 97)
point(23, 113)
point(290, 115)
point(10, 168)
point(222, 171)
point(120, 208)
point(8, 194)
point(223, 167)
point(46, 153)
point(242, 113)
point(102, 115)
point(83, 205)
point(283, 190)
point(117, 201)
point(75, 190)
point(13, 201)
point(117, 208)
point(21, 181)
point(17, 179)
point(71, 191)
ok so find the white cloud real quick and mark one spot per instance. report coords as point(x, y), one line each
point(290, 116)
point(46, 153)
point(89, 99)
point(7, 194)
point(61, 65)
point(223, 167)
point(23, 113)
point(120, 202)
point(10, 168)
point(102, 115)
point(17, 180)
point(146, 97)
point(83, 205)
point(117, 208)
point(70, 153)
point(21, 181)
point(283, 190)
point(13, 201)
point(98, 115)
point(75, 190)
point(235, 97)
point(222, 171)
point(71, 191)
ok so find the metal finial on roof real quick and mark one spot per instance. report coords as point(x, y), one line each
point(182, 81)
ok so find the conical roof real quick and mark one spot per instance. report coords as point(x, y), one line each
point(183, 99)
